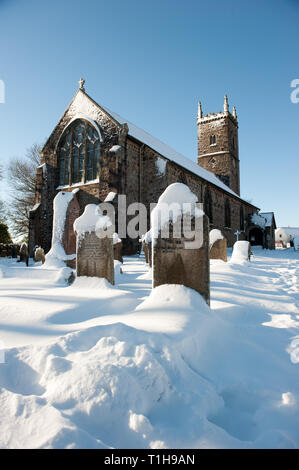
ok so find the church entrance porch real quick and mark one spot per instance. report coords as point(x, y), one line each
point(256, 237)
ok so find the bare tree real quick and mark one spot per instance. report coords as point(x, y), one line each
point(21, 178)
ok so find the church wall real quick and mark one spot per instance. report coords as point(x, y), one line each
point(225, 159)
point(217, 127)
point(47, 178)
point(134, 170)
point(154, 184)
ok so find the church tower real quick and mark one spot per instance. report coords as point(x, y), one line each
point(218, 148)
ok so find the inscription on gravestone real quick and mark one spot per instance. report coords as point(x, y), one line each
point(95, 257)
point(176, 262)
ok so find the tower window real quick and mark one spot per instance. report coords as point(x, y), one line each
point(78, 153)
point(212, 140)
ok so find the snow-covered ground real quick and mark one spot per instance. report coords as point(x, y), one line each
point(95, 366)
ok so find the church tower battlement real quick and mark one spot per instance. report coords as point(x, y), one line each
point(218, 147)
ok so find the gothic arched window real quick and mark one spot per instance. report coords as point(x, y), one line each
point(208, 205)
point(78, 153)
point(227, 214)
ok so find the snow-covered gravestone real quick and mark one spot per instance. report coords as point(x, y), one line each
point(94, 244)
point(218, 245)
point(180, 241)
point(63, 247)
point(241, 252)
point(24, 256)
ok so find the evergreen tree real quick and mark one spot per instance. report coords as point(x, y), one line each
point(4, 234)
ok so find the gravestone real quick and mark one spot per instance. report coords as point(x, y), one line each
point(218, 245)
point(94, 251)
point(117, 248)
point(95, 257)
point(145, 251)
point(69, 235)
point(24, 256)
point(147, 247)
point(39, 255)
point(174, 263)
point(117, 251)
point(14, 251)
point(241, 252)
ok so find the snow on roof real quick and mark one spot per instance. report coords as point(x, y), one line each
point(169, 152)
point(293, 231)
point(268, 216)
point(259, 220)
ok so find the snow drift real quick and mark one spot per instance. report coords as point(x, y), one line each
point(96, 366)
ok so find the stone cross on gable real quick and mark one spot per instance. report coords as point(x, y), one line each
point(81, 84)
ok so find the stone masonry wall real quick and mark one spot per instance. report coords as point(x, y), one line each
point(225, 160)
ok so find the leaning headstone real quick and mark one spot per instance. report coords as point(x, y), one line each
point(182, 255)
point(218, 245)
point(94, 245)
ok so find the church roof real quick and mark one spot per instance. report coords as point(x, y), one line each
point(160, 147)
point(268, 216)
point(169, 153)
point(293, 231)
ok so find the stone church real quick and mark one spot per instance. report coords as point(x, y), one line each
point(96, 152)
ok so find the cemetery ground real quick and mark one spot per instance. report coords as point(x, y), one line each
point(92, 365)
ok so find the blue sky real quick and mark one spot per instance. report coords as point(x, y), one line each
point(151, 62)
